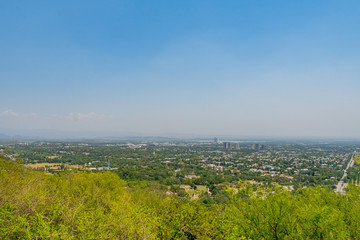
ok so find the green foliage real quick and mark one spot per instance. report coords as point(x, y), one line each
point(314, 213)
point(84, 205)
point(357, 158)
point(70, 205)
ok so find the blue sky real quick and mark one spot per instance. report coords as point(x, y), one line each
point(244, 68)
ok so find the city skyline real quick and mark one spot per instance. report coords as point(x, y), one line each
point(277, 69)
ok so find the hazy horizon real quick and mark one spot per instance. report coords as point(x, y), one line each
point(203, 68)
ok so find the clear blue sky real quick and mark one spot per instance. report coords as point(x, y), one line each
point(245, 68)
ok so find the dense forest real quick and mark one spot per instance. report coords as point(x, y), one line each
point(100, 205)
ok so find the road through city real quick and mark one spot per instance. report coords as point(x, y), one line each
point(341, 185)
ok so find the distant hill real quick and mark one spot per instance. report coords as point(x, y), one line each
point(3, 136)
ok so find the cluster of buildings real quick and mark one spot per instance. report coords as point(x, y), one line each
point(257, 146)
point(235, 145)
point(229, 145)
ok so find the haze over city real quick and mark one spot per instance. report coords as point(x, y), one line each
point(241, 68)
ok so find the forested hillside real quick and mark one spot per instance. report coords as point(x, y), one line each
point(85, 205)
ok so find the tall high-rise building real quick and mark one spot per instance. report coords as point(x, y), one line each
point(216, 140)
point(258, 146)
point(227, 145)
point(237, 145)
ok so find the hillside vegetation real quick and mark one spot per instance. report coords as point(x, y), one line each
point(85, 205)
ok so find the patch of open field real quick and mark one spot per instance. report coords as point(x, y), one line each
point(41, 165)
point(54, 166)
point(186, 187)
point(202, 188)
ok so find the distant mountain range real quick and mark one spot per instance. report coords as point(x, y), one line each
point(48, 134)
point(44, 134)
